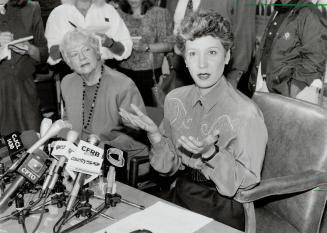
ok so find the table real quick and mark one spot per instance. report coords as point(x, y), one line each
point(119, 212)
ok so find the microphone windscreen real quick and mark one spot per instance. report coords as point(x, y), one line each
point(45, 125)
point(72, 136)
point(29, 138)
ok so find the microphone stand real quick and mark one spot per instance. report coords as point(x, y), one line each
point(60, 197)
point(84, 207)
point(21, 213)
point(110, 200)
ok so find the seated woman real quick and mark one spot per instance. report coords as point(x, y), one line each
point(94, 93)
point(212, 133)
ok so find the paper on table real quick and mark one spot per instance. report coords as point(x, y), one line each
point(160, 218)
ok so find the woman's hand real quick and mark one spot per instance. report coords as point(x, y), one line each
point(26, 48)
point(206, 147)
point(20, 48)
point(105, 40)
point(5, 38)
point(142, 121)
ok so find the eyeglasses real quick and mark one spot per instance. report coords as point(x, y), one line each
point(84, 51)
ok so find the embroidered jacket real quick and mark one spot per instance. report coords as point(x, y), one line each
point(242, 138)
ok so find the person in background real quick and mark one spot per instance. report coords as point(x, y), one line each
point(94, 93)
point(292, 56)
point(241, 15)
point(46, 8)
point(95, 16)
point(211, 133)
point(151, 31)
point(19, 102)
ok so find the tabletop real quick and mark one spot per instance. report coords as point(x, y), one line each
point(119, 212)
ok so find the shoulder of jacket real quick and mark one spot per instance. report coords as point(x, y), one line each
point(179, 92)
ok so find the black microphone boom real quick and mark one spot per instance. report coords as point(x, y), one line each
point(55, 128)
point(31, 169)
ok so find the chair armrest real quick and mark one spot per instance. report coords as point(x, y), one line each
point(299, 182)
point(134, 168)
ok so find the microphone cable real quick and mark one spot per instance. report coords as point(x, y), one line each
point(63, 220)
point(24, 226)
point(42, 214)
point(58, 224)
point(85, 221)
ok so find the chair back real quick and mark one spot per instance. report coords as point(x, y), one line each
point(297, 141)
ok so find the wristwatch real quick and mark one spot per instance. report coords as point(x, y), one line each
point(211, 156)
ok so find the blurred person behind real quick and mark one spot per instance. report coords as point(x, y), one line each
point(19, 106)
point(151, 30)
point(95, 16)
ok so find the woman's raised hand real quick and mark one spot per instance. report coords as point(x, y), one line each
point(142, 121)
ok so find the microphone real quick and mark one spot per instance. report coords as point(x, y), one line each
point(48, 177)
point(116, 159)
point(55, 128)
point(13, 145)
point(31, 169)
point(44, 127)
point(80, 178)
point(111, 180)
point(28, 138)
point(72, 137)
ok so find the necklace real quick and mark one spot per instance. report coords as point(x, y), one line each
point(90, 115)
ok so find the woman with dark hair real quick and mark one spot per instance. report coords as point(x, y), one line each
point(212, 134)
point(151, 31)
point(19, 104)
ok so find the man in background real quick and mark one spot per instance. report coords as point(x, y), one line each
point(292, 55)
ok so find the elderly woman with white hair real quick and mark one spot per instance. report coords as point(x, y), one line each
point(94, 93)
point(94, 16)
